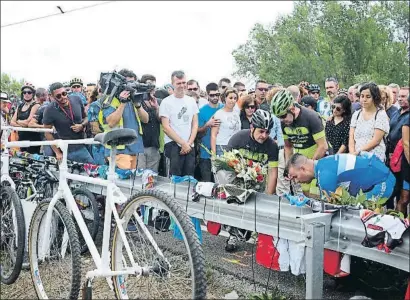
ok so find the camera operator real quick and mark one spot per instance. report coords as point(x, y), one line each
point(151, 157)
point(124, 113)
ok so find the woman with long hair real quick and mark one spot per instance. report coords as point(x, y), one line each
point(387, 100)
point(248, 108)
point(230, 122)
point(337, 128)
point(369, 125)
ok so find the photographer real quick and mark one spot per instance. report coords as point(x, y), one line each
point(151, 157)
point(124, 113)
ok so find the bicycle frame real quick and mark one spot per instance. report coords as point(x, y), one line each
point(114, 195)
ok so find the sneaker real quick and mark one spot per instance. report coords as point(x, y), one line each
point(231, 244)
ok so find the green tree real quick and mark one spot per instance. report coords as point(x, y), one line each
point(345, 39)
point(11, 85)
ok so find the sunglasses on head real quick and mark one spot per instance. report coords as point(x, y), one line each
point(192, 89)
point(76, 86)
point(63, 94)
point(336, 107)
point(250, 106)
point(214, 95)
point(27, 92)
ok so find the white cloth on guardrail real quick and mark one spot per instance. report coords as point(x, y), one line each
point(382, 231)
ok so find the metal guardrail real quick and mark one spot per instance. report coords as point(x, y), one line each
point(344, 230)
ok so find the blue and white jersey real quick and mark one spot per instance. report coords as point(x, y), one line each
point(365, 172)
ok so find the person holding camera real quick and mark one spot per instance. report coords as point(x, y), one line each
point(151, 157)
point(122, 112)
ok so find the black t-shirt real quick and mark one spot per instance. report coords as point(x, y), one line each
point(61, 120)
point(151, 129)
point(304, 132)
point(266, 153)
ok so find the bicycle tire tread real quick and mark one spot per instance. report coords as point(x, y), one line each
point(198, 257)
point(21, 229)
point(74, 244)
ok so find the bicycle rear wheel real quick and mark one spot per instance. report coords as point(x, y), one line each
point(58, 275)
point(13, 235)
point(89, 210)
point(177, 269)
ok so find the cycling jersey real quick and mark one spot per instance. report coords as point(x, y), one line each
point(266, 153)
point(304, 132)
point(365, 172)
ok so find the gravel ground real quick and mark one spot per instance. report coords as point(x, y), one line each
point(225, 273)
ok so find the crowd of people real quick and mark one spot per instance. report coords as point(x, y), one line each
point(181, 126)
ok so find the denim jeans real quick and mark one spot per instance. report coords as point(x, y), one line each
point(98, 154)
point(80, 155)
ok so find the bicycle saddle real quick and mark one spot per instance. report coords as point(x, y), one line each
point(115, 137)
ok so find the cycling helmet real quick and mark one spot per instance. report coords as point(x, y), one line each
point(28, 85)
point(262, 119)
point(251, 91)
point(66, 84)
point(76, 80)
point(313, 87)
point(281, 102)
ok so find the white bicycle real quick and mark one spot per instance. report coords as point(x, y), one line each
point(146, 261)
point(13, 227)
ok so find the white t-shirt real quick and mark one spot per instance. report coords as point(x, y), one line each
point(180, 112)
point(364, 131)
point(230, 124)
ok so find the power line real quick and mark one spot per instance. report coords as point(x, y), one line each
point(59, 13)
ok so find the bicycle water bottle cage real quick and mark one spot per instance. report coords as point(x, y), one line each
point(115, 137)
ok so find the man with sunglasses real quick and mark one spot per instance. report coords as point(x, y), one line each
point(303, 130)
point(314, 91)
point(223, 84)
point(261, 89)
point(205, 122)
point(67, 115)
point(256, 145)
point(193, 87)
point(76, 85)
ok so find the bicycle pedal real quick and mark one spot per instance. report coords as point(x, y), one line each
point(87, 290)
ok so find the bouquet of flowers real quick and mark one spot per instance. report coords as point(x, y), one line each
point(246, 173)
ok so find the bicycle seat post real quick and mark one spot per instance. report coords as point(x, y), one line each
point(111, 170)
point(63, 168)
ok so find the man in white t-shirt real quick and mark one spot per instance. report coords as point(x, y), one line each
point(179, 117)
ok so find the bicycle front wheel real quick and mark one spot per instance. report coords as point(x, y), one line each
point(176, 266)
point(13, 235)
point(58, 275)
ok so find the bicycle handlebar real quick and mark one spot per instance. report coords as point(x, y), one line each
point(27, 129)
point(59, 143)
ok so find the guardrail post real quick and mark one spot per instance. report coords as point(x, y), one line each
point(315, 240)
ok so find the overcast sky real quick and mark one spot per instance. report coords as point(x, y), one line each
point(147, 37)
